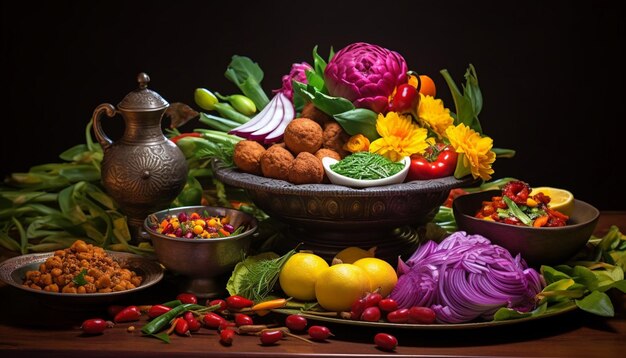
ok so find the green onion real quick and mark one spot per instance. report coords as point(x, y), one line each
point(367, 166)
point(516, 211)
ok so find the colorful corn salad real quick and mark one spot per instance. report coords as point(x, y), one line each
point(196, 226)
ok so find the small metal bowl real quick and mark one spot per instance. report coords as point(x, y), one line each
point(202, 262)
point(538, 246)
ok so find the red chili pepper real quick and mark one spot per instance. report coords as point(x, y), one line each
point(182, 327)
point(437, 162)
point(385, 341)
point(187, 298)
point(183, 135)
point(242, 319)
point(157, 310)
point(226, 336)
point(128, 314)
point(212, 320)
point(95, 325)
point(237, 301)
point(220, 302)
point(405, 99)
point(271, 337)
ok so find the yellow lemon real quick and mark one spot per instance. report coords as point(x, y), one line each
point(353, 253)
point(299, 274)
point(381, 274)
point(340, 285)
point(560, 199)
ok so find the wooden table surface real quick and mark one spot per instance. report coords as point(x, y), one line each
point(29, 327)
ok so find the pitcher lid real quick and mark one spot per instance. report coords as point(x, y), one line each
point(142, 99)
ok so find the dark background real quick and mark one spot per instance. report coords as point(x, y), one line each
point(552, 73)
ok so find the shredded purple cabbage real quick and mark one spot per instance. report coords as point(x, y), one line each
point(465, 277)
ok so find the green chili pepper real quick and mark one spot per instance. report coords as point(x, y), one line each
point(172, 304)
point(241, 103)
point(207, 100)
point(159, 322)
point(515, 210)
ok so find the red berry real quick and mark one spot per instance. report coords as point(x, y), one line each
point(271, 337)
point(319, 333)
point(243, 319)
point(182, 327)
point(423, 315)
point(372, 299)
point(220, 302)
point(296, 322)
point(187, 298)
point(398, 316)
point(388, 305)
point(385, 341)
point(371, 314)
point(226, 336)
point(212, 320)
point(157, 310)
point(95, 325)
point(237, 301)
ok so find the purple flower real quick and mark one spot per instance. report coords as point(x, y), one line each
point(297, 73)
point(365, 74)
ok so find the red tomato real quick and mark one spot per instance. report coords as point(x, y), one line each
point(442, 163)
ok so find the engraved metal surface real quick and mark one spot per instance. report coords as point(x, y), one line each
point(143, 171)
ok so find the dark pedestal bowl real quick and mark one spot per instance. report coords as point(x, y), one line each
point(327, 218)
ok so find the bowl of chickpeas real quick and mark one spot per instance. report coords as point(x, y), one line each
point(80, 274)
point(201, 244)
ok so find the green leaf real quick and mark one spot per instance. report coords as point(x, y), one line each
point(597, 303)
point(233, 286)
point(585, 277)
point(247, 75)
point(79, 280)
point(74, 153)
point(359, 120)
point(325, 103)
point(469, 103)
point(503, 152)
point(314, 80)
point(504, 314)
point(22, 233)
point(319, 65)
point(80, 173)
point(620, 285)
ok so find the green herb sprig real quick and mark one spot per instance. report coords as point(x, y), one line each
point(366, 166)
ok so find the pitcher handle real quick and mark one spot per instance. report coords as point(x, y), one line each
point(104, 140)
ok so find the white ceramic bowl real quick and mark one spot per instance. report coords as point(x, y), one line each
point(339, 179)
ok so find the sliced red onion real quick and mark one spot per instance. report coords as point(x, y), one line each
point(464, 278)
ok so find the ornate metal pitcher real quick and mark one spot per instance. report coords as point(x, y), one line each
point(143, 171)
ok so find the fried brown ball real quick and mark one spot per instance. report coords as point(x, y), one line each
point(334, 137)
point(247, 156)
point(303, 135)
point(325, 152)
point(306, 169)
point(275, 162)
point(310, 111)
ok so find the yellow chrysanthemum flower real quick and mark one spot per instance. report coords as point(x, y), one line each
point(475, 151)
point(357, 143)
point(432, 113)
point(399, 137)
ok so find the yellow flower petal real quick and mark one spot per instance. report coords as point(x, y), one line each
point(478, 155)
point(432, 113)
point(399, 137)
